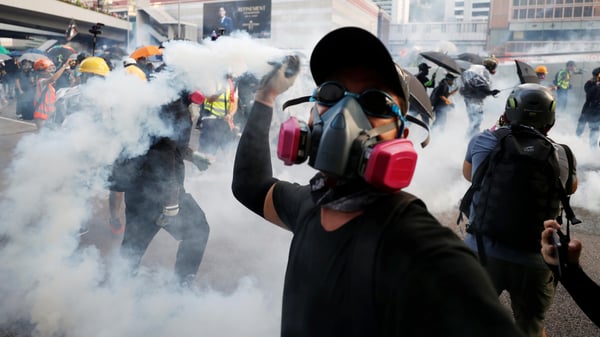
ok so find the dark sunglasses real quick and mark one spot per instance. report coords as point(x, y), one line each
point(375, 102)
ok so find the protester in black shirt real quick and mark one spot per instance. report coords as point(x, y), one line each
point(366, 259)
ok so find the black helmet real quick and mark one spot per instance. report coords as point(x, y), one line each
point(423, 66)
point(533, 105)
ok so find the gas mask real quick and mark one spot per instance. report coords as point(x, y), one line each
point(342, 143)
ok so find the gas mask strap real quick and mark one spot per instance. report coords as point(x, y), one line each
point(422, 124)
point(296, 101)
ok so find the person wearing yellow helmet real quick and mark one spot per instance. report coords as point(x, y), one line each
point(68, 100)
point(94, 66)
point(131, 67)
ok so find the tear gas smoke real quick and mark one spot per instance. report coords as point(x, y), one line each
point(58, 177)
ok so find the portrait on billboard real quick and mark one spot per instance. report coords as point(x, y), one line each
point(223, 18)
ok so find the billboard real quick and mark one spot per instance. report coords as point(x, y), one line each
point(252, 16)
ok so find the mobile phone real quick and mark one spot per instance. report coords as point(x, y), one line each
point(557, 245)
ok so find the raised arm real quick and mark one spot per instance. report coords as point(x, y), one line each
point(253, 180)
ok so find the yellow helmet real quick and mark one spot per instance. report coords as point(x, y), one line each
point(95, 65)
point(135, 70)
point(541, 70)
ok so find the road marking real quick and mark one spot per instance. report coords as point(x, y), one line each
point(17, 121)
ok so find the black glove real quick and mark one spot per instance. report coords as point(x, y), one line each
point(495, 92)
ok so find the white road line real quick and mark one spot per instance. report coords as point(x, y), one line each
point(17, 121)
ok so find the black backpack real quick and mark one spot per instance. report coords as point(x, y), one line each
point(519, 187)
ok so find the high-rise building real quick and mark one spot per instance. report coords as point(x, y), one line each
point(468, 10)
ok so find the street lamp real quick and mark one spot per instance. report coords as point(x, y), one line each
point(95, 30)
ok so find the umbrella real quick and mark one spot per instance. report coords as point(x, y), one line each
point(4, 57)
point(61, 52)
point(146, 51)
point(526, 73)
point(33, 57)
point(464, 65)
point(442, 60)
point(470, 57)
point(3, 50)
point(419, 99)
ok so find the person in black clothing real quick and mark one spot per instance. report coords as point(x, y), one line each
point(25, 87)
point(422, 76)
point(366, 259)
point(590, 112)
point(153, 195)
point(585, 292)
point(440, 100)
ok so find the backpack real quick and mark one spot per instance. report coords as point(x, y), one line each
point(519, 187)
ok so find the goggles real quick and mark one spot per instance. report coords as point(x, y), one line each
point(375, 102)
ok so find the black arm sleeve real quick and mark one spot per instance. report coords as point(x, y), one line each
point(584, 291)
point(252, 172)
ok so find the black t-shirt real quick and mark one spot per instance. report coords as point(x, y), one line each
point(427, 282)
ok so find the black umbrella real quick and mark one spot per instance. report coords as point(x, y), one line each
point(464, 65)
point(419, 100)
point(526, 73)
point(470, 57)
point(442, 60)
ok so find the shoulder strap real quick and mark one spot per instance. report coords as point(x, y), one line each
point(362, 281)
point(465, 202)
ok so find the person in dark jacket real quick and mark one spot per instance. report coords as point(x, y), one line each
point(440, 100)
point(25, 87)
point(366, 259)
point(151, 187)
point(422, 76)
point(590, 112)
point(585, 292)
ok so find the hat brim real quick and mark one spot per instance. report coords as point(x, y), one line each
point(349, 47)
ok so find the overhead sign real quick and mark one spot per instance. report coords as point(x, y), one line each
point(223, 18)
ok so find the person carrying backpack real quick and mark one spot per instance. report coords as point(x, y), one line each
point(519, 178)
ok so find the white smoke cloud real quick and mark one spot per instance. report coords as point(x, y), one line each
point(57, 182)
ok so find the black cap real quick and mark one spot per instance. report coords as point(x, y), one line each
point(451, 76)
point(423, 66)
point(353, 46)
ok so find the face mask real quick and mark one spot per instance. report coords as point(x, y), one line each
point(342, 143)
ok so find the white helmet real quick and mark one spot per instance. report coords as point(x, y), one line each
point(128, 61)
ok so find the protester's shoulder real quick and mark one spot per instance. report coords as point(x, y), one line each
point(409, 219)
point(285, 192)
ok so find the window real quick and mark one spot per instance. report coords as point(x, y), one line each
point(459, 12)
point(515, 2)
point(577, 11)
point(532, 2)
point(481, 5)
point(531, 13)
point(568, 12)
point(459, 4)
point(558, 13)
point(587, 11)
point(539, 13)
point(540, 2)
point(515, 15)
point(548, 13)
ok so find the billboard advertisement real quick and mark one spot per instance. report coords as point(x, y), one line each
point(252, 16)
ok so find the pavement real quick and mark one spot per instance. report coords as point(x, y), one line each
point(564, 319)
